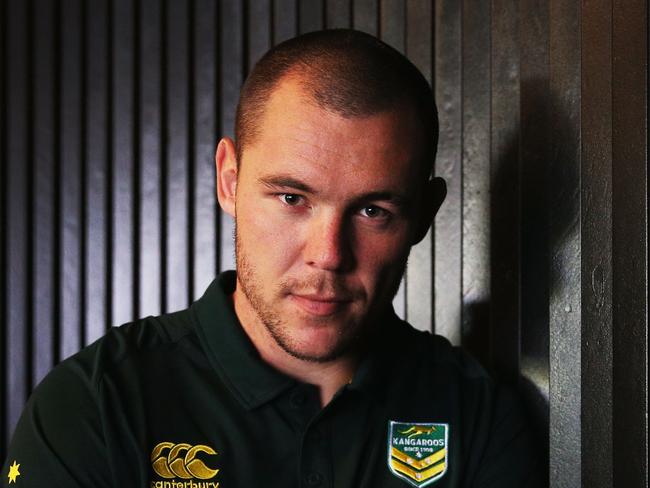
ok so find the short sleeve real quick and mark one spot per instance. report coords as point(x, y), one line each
point(58, 440)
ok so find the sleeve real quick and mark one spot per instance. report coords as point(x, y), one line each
point(58, 440)
point(512, 458)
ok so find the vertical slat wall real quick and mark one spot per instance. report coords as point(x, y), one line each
point(630, 241)
point(448, 88)
point(96, 140)
point(69, 220)
point(419, 48)
point(122, 196)
point(595, 272)
point(17, 196)
point(3, 224)
point(537, 263)
point(505, 184)
point(535, 153)
point(203, 84)
point(564, 286)
point(475, 110)
point(150, 245)
point(45, 185)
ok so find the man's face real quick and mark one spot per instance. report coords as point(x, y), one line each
point(325, 217)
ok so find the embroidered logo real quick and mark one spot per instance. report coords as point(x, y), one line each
point(181, 460)
point(13, 472)
point(417, 452)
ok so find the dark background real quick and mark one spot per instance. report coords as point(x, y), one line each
point(111, 109)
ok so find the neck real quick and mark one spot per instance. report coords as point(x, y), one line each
point(328, 376)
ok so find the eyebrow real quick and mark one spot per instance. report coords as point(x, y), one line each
point(286, 181)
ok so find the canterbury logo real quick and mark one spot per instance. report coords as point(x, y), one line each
point(171, 460)
point(417, 430)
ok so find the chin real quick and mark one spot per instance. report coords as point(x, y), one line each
point(318, 345)
point(313, 355)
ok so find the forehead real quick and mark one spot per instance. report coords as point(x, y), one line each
point(297, 135)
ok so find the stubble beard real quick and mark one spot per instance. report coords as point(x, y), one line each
point(277, 327)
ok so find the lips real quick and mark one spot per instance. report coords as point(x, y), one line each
point(321, 305)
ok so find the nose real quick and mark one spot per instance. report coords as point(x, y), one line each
point(327, 245)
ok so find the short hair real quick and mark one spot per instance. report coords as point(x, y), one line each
point(348, 72)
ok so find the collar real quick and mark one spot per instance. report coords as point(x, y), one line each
point(230, 351)
point(252, 381)
point(382, 358)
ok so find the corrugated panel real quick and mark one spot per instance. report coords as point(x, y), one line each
point(310, 15)
point(285, 22)
point(96, 184)
point(447, 81)
point(259, 23)
point(71, 179)
point(475, 238)
point(505, 187)
point(177, 155)
point(595, 227)
point(338, 14)
point(418, 286)
point(564, 258)
point(18, 219)
point(124, 164)
point(150, 242)
point(535, 152)
point(538, 259)
point(3, 223)
point(204, 121)
point(232, 69)
point(630, 242)
point(392, 23)
point(392, 30)
point(365, 16)
point(45, 185)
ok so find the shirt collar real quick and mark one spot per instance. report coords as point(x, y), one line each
point(232, 354)
point(381, 358)
point(247, 376)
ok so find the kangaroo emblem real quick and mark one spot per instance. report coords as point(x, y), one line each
point(416, 430)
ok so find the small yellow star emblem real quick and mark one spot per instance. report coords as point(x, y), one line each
point(13, 472)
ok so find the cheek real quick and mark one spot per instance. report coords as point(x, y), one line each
point(270, 240)
point(383, 256)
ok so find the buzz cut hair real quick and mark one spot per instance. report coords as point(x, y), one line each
point(347, 72)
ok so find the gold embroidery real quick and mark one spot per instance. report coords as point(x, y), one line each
point(418, 464)
point(13, 472)
point(417, 430)
point(181, 461)
point(417, 475)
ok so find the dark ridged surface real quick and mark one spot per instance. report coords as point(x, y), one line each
point(537, 263)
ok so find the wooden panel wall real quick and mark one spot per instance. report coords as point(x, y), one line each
point(537, 263)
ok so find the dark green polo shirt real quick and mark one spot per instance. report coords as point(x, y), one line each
point(183, 400)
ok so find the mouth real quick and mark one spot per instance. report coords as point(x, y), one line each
point(321, 305)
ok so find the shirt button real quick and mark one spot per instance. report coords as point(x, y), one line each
point(297, 399)
point(314, 479)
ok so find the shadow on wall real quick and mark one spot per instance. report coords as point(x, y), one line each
point(534, 211)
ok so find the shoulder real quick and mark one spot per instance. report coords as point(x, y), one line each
point(119, 347)
point(435, 351)
point(62, 429)
point(489, 416)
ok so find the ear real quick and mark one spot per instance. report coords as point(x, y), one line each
point(434, 194)
point(226, 159)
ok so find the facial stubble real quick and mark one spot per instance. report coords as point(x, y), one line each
point(350, 336)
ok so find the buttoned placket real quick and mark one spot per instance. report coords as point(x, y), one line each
point(315, 459)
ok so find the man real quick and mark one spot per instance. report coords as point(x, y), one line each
point(295, 371)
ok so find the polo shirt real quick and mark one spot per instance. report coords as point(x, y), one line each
point(184, 401)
